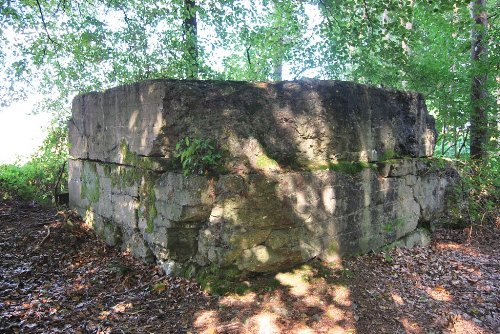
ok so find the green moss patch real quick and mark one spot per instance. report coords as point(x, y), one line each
point(123, 177)
point(222, 280)
point(153, 163)
point(392, 226)
point(90, 183)
point(148, 199)
point(264, 161)
point(388, 155)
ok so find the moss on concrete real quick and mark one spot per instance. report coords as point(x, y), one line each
point(387, 155)
point(393, 225)
point(264, 161)
point(152, 163)
point(437, 164)
point(221, 280)
point(107, 169)
point(348, 167)
point(90, 184)
point(148, 199)
point(333, 249)
point(123, 177)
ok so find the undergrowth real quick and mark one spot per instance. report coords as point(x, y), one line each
point(46, 169)
point(479, 190)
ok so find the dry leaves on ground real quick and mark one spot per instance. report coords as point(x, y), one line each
point(56, 277)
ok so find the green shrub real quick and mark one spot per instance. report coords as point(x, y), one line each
point(15, 181)
point(480, 182)
point(37, 179)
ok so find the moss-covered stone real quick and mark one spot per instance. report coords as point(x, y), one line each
point(261, 208)
point(123, 177)
point(182, 243)
point(221, 280)
point(387, 155)
point(148, 201)
point(264, 161)
point(332, 249)
point(130, 158)
point(90, 183)
point(249, 239)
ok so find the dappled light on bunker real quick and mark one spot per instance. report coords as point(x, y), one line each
point(297, 170)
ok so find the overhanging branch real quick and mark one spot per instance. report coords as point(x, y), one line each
point(44, 23)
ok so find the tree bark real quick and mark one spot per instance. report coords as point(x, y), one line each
point(479, 119)
point(190, 28)
point(278, 71)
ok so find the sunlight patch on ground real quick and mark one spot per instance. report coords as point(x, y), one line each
point(296, 280)
point(397, 299)
point(121, 307)
point(411, 327)
point(304, 330)
point(439, 293)
point(206, 322)
point(459, 325)
point(313, 300)
point(264, 323)
point(456, 247)
point(235, 299)
point(118, 308)
point(334, 313)
point(342, 295)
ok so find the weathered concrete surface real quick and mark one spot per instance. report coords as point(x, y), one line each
point(254, 221)
point(304, 123)
point(275, 206)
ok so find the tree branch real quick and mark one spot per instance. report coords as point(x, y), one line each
point(248, 56)
point(321, 2)
point(365, 9)
point(43, 21)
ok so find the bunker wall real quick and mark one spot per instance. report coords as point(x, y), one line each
point(311, 169)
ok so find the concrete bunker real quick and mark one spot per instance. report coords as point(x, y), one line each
point(308, 169)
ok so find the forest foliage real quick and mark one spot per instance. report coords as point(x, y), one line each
point(61, 48)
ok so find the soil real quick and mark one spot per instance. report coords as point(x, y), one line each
point(57, 277)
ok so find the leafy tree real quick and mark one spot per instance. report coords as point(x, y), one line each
point(62, 48)
point(190, 27)
point(416, 45)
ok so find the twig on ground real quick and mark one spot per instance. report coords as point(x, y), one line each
point(44, 239)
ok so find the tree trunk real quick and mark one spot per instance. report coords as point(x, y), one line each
point(278, 71)
point(479, 119)
point(191, 39)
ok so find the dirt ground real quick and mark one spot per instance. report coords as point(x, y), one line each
point(57, 277)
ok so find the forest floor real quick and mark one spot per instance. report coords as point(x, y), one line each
point(57, 277)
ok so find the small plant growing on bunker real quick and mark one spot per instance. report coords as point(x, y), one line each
point(198, 156)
